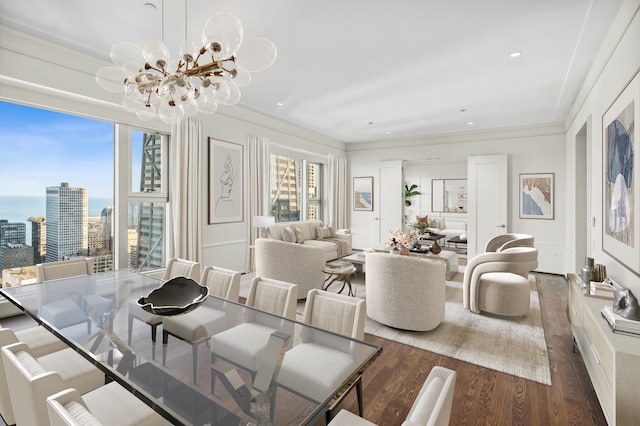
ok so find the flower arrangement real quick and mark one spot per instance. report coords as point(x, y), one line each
point(399, 239)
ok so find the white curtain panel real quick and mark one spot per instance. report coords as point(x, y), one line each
point(185, 191)
point(258, 181)
point(337, 191)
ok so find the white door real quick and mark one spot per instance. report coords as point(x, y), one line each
point(487, 200)
point(391, 199)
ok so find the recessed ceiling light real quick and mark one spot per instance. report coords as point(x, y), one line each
point(388, 132)
point(371, 122)
point(514, 54)
point(462, 110)
point(150, 5)
point(470, 123)
point(279, 104)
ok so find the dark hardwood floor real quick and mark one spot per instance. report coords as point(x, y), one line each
point(484, 396)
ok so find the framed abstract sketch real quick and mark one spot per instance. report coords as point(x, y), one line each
point(536, 196)
point(621, 200)
point(226, 196)
point(363, 193)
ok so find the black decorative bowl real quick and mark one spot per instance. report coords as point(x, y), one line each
point(177, 296)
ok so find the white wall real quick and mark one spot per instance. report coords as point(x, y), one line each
point(40, 74)
point(615, 65)
point(530, 150)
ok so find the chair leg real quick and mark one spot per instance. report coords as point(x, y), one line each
point(154, 332)
point(359, 392)
point(194, 354)
point(165, 340)
point(130, 329)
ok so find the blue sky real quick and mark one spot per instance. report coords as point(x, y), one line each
point(40, 148)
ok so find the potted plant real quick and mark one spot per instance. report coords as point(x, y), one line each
point(421, 227)
point(410, 191)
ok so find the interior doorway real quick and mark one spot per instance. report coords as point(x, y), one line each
point(582, 230)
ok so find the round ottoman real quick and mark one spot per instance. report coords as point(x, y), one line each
point(504, 293)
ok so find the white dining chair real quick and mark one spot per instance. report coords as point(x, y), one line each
point(317, 365)
point(209, 318)
point(63, 269)
point(109, 405)
point(40, 341)
point(175, 268)
point(34, 379)
point(244, 345)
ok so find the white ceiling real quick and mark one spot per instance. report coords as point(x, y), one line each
point(357, 69)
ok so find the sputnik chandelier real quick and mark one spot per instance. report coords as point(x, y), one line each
point(202, 78)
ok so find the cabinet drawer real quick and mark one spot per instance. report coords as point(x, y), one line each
point(602, 354)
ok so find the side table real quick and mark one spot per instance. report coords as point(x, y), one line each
point(339, 274)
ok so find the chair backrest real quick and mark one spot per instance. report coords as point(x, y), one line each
point(504, 241)
point(63, 269)
point(31, 384)
point(433, 404)
point(7, 337)
point(221, 282)
point(273, 296)
point(67, 408)
point(182, 268)
point(336, 313)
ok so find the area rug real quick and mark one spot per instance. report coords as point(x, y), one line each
point(513, 346)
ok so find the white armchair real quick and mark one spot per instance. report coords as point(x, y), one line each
point(504, 241)
point(499, 282)
point(405, 292)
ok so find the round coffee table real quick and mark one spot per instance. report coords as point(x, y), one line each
point(339, 274)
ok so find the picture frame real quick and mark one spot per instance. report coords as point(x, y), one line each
point(620, 162)
point(226, 185)
point(536, 193)
point(363, 193)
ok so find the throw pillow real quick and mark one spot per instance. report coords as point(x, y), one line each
point(288, 234)
point(324, 232)
point(299, 235)
point(422, 219)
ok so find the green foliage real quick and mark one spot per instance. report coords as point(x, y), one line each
point(410, 191)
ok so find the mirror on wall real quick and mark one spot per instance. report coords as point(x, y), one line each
point(449, 195)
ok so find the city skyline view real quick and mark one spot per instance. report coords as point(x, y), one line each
point(42, 148)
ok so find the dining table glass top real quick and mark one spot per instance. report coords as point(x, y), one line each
point(99, 316)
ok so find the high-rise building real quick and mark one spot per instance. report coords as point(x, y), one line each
point(67, 221)
point(107, 227)
point(38, 238)
point(13, 249)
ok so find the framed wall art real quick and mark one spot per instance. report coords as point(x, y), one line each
point(536, 196)
point(620, 197)
point(363, 193)
point(226, 198)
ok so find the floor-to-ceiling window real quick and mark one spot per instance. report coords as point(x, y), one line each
point(295, 189)
point(57, 189)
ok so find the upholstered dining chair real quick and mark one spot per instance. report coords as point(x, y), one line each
point(432, 406)
point(498, 282)
point(504, 241)
point(175, 268)
point(109, 405)
point(199, 325)
point(34, 379)
point(40, 341)
point(314, 367)
point(244, 345)
point(55, 306)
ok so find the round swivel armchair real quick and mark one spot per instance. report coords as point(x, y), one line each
point(405, 292)
point(504, 241)
point(498, 282)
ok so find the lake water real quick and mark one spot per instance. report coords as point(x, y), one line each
point(20, 208)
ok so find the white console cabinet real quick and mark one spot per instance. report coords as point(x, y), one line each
point(612, 359)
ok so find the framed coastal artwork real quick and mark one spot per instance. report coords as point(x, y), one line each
point(226, 196)
point(363, 193)
point(620, 156)
point(536, 196)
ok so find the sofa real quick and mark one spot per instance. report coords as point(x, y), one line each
point(299, 262)
point(449, 226)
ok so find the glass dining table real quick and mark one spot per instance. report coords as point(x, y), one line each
point(221, 394)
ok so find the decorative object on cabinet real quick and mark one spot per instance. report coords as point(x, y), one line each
point(626, 304)
point(536, 196)
point(620, 224)
point(225, 182)
point(363, 193)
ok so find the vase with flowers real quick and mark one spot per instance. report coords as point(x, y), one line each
point(399, 241)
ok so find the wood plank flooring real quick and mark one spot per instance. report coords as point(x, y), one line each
point(484, 396)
